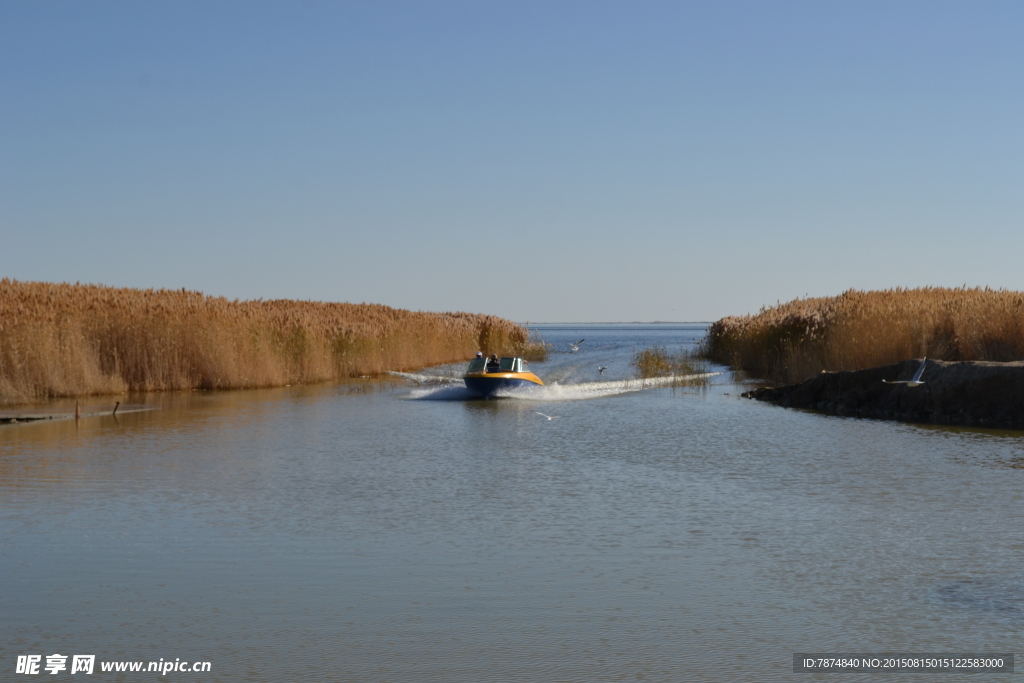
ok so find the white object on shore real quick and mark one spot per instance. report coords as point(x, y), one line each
point(916, 381)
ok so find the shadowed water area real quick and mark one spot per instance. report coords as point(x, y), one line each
point(364, 532)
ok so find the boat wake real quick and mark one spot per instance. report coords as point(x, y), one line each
point(452, 389)
point(427, 379)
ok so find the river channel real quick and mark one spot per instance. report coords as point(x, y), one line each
point(384, 531)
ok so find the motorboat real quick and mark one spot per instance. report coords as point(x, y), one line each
point(484, 376)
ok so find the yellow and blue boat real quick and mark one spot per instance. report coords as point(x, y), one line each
point(484, 377)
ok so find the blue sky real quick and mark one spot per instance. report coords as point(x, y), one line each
point(540, 161)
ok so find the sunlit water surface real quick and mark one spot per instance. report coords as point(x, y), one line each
point(367, 533)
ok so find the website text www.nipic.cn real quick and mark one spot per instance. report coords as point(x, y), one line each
point(86, 664)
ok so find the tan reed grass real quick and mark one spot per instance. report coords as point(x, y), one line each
point(657, 361)
point(793, 341)
point(59, 340)
point(535, 348)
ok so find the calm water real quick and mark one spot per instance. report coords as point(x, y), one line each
point(347, 533)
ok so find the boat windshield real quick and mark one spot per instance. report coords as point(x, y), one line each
point(507, 364)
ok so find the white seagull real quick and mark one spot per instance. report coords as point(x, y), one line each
point(576, 347)
point(916, 381)
point(549, 417)
point(602, 368)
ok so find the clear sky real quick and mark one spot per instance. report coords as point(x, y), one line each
point(574, 161)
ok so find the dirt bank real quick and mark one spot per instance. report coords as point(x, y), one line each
point(980, 393)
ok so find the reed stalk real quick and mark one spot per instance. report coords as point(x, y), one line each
point(688, 368)
point(535, 348)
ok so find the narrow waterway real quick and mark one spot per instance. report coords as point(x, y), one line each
point(368, 532)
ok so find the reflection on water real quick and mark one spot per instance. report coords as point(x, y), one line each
point(1001, 595)
point(343, 533)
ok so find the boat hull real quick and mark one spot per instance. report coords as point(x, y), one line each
point(485, 385)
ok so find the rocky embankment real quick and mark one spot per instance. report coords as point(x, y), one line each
point(976, 393)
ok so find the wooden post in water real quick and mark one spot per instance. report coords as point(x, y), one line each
point(78, 411)
point(115, 408)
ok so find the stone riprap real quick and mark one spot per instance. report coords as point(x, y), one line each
point(978, 393)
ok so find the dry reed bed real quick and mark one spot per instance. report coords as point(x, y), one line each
point(76, 340)
point(856, 330)
point(657, 361)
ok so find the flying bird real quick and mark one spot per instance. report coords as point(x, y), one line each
point(549, 417)
point(916, 381)
point(602, 368)
point(576, 347)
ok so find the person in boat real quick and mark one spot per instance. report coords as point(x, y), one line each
point(492, 363)
point(479, 354)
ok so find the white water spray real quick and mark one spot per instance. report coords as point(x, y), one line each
point(451, 389)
